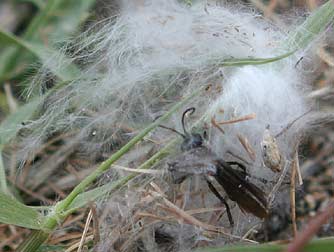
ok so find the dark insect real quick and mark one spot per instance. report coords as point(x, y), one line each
point(199, 159)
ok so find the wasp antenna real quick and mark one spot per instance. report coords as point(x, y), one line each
point(191, 111)
point(174, 130)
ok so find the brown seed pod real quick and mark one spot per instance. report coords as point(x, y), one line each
point(271, 155)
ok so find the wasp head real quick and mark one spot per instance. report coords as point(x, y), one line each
point(192, 141)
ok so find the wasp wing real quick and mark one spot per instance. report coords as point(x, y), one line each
point(247, 195)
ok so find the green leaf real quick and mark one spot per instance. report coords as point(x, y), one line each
point(13, 58)
point(8, 130)
point(41, 19)
point(63, 208)
point(65, 204)
point(10, 126)
point(66, 72)
point(83, 199)
point(253, 61)
point(58, 18)
point(8, 39)
point(314, 25)
point(13, 123)
point(319, 245)
point(56, 21)
point(16, 213)
point(73, 13)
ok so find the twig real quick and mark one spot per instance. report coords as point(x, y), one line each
point(293, 196)
point(249, 149)
point(251, 230)
point(240, 119)
point(84, 234)
point(171, 208)
point(205, 210)
point(75, 245)
point(157, 189)
point(152, 216)
point(215, 124)
point(146, 171)
point(96, 231)
point(299, 174)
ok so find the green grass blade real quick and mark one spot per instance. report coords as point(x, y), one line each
point(314, 25)
point(10, 126)
point(73, 14)
point(60, 17)
point(12, 59)
point(41, 18)
point(90, 196)
point(63, 205)
point(62, 208)
point(68, 71)
point(253, 61)
point(8, 130)
point(16, 213)
point(56, 21)
point(13, 123)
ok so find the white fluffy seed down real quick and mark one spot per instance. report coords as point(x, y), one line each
point(136, 64)
point(276, 98)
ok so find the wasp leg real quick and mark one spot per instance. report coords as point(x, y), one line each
point(216, 193)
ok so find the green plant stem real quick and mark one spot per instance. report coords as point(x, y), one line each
point(324, 15)
point(253, 61)
point(3, 182)
point(62, 206)
point(60, 212)
point(92, 195)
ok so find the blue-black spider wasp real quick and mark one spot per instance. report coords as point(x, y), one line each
point(196, 158)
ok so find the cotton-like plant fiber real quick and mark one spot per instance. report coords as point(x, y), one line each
point(150, 55)
point(138, 63)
